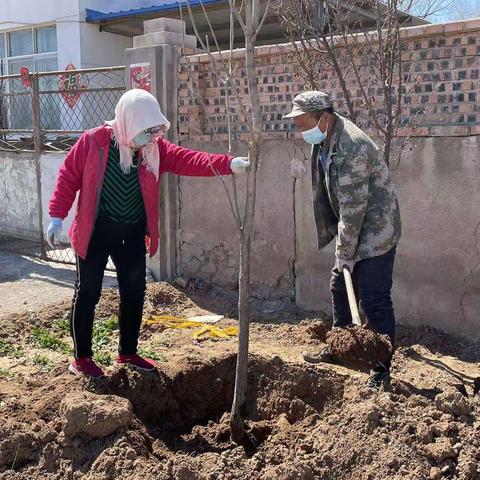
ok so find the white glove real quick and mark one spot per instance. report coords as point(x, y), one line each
point(340, 264)
point(239, 164)
point(53, 231)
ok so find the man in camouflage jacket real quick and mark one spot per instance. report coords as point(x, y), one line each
point(354, 201)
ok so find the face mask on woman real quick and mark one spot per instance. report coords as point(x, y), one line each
point(141, 139)
point(148, 135)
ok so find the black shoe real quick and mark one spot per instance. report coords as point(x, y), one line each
point(379, 377)
point(324, 356)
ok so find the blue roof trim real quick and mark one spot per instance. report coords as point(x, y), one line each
point(94, 16)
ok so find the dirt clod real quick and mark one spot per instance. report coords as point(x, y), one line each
point(359, 346)
point(453, 402)
point(94, 415)
point(440, 450)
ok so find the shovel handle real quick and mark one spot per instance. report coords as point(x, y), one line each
point(352, 301)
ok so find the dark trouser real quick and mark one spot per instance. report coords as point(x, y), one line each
point(372, 280)
point(125, 244)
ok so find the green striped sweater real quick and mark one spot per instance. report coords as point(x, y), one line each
point(121, 199)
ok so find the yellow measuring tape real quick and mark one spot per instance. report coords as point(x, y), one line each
point(206, 331)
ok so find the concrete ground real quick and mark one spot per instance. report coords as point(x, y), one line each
point(27, 283)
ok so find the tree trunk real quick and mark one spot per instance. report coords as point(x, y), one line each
point(237, 428)
point(238, 408)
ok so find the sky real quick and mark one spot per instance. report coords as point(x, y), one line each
point(457, 10)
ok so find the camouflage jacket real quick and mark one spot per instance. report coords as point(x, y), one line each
point(354, 199)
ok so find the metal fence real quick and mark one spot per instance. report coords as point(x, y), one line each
point(48, 111)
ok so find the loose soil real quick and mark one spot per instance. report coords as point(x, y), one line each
point(359, 346)
point(303, 421)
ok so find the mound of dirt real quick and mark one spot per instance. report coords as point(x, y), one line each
point(303, 422)
point(358, 346)
point(315, 329)
point(94, 415)
point(165, 298)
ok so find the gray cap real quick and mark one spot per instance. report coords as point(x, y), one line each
point(311, 101)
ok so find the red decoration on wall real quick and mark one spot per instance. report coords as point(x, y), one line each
point(71, 85)
point(140, 76)
point(25, 76)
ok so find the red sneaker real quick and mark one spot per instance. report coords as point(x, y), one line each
point(136, 361)
point(86, 366)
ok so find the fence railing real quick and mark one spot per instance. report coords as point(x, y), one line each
point(48, 111)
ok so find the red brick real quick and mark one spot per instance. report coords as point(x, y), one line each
point(472, 50)
point(420, 132)
point(472, 24)
point(454, 27)
point(433, 29)
point(466, 108)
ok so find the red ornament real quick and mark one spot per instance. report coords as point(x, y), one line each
point(25, 76)
point(71, 85)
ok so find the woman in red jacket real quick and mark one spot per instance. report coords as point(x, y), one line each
point(116, 170)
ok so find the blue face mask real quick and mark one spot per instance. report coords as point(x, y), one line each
point(141, 139)
point(314, 135)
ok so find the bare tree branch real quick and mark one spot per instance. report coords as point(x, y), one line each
point(265, 13)
point(239, 18)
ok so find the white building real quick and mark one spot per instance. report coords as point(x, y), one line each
point(47, 35)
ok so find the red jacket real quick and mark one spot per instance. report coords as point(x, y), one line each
point(84, 170)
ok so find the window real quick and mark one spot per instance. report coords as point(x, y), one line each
point(20, 43)
point(34, 48)
point(49, 64)
point(46, 40)
point(15, 65)
point(3, 67)
point(2, 45)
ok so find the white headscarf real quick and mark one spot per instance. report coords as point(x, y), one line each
point(136, 111)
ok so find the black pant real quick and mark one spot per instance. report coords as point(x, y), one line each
point(125, 244)
point(372, 279)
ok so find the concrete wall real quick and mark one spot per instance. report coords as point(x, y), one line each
point(438, 274)
point(438, 183)
point(18, 194)
point(18, 198)
point(208, 234)
point(437, 277)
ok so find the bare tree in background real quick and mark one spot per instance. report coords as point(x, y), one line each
point(429, 9)
point(250, 19)
point(464, 9)
point(365, 53)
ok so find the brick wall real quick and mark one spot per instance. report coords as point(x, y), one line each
point(440, 65)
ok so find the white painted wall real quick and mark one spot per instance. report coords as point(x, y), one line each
point(18, 197)
point(27, 13)
point(102, 49)
point(18, 193)
point(50, 165)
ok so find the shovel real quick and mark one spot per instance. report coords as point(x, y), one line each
point(352, 301)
